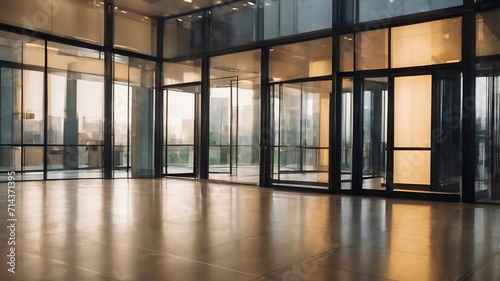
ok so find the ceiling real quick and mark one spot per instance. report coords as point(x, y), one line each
point(165, 7)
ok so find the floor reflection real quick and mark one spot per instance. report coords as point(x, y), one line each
point(174, 229)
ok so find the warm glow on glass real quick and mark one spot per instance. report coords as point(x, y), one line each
point(412, 167)
point(412, 111)
point(427, 43)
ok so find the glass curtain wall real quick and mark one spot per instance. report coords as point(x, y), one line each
point(375, 99)
point(11, 105)
point(234, 151)
point(133, 121)
point(128, 25)
point(346, 135)
point(354, 11)
point(75, 116)
point(181, 117)
point(487, 102)
point(300, 112)
point(59, 17)
point(288, 17)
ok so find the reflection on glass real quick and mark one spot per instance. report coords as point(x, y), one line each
point(10, 106)
point(374, 132)
point(487, 39)
point(301, 132)
point(127, 27)
point(183, 35)
point(33, 107)
point(233, 24)
point(181, 129)
point(346, 52)
point(372, 49)
point(58, 17)
point(133, 117)
point(284, 17)
point(10, 47)
point(75, 110)
point(447, 145)
point(33, 158)
point(427, 43)
point(370, 10)
point(183, 72)
point(234, 130)
point(488, 133)
point(301, 60)
point(346, 134)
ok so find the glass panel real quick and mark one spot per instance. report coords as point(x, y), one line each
point(370, 10)
point(75, 97)
point(427, 43)
point(33, 82)
point(75, 59)
point(347, 52)
point(74, 161)
point(181, 119)
point(412, 167)
point(183, 72)
point(412, 111)
point(235, 117)
point(133, 117)
point(374, 132)
point(34, 53)
point(67, 17)
point(141, 85)
point(11, 47)
point(372, 49)
point(10, 106)
point(447, 136)
point(290, 111)
point(58, 17)
point(301, 60)
point(301, 128)
point(33, 158)
point(32, 14)
point(128, 25)
point(288, 17)
point(487, 33)
point(488, 133)
point(234, 24)
point(347, 126)
point(121, 97)
point(10, 158)
point(180, 159)
point(183, 35)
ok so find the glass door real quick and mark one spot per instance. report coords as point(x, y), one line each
point(181, 134)
point(223, 147)
point(301, 116)
point(375, 91)
point(488, 133)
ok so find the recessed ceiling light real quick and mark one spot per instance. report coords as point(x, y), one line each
point(189, 1)
point(234, 8)
point(123, 11)
point(251, 3)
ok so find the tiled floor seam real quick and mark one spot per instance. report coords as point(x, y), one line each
point(325, 254)
point(471, 272)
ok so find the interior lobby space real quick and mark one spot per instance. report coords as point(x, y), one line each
point(249, 140)
point(177, 229)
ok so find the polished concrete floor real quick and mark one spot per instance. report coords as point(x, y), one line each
point(172, 229)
